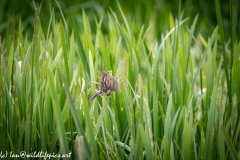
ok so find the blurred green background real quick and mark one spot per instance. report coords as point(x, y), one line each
point(164, 109)
point(154, 13)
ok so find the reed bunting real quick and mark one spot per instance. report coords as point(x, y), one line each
point(107, 85)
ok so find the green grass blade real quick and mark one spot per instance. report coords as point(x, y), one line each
point(210, 124)
point(166, 153)
point(168, 118)
point(229, 143)
point(77, 122)
point(186, 145)
point(222, 40)
point(206, 52)
point(27, 140)
point(65, 51)
point(221, 146)
point(57, 114)
point(10, 63)
point(147, 145)
point(190, 43)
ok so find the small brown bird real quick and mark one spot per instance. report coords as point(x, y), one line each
point(107, 85)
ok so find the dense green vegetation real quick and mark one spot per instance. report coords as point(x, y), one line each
point(179, 90)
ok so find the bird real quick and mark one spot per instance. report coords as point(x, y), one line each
point(107, 85)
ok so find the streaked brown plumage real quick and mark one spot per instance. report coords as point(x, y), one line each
point(107, 85)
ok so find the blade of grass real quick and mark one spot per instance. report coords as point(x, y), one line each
point(27, 140)
point(206, 52)
point(210, 124)
point(80, 49)
point(57, 114)
point(147, 145)
point(65, 51)
point(166, 153)
point(230, 145)
point(76, 121)
point(186, 144)
point(222, 40)
point(188, 54)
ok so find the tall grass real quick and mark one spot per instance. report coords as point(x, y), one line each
point(173, 103)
